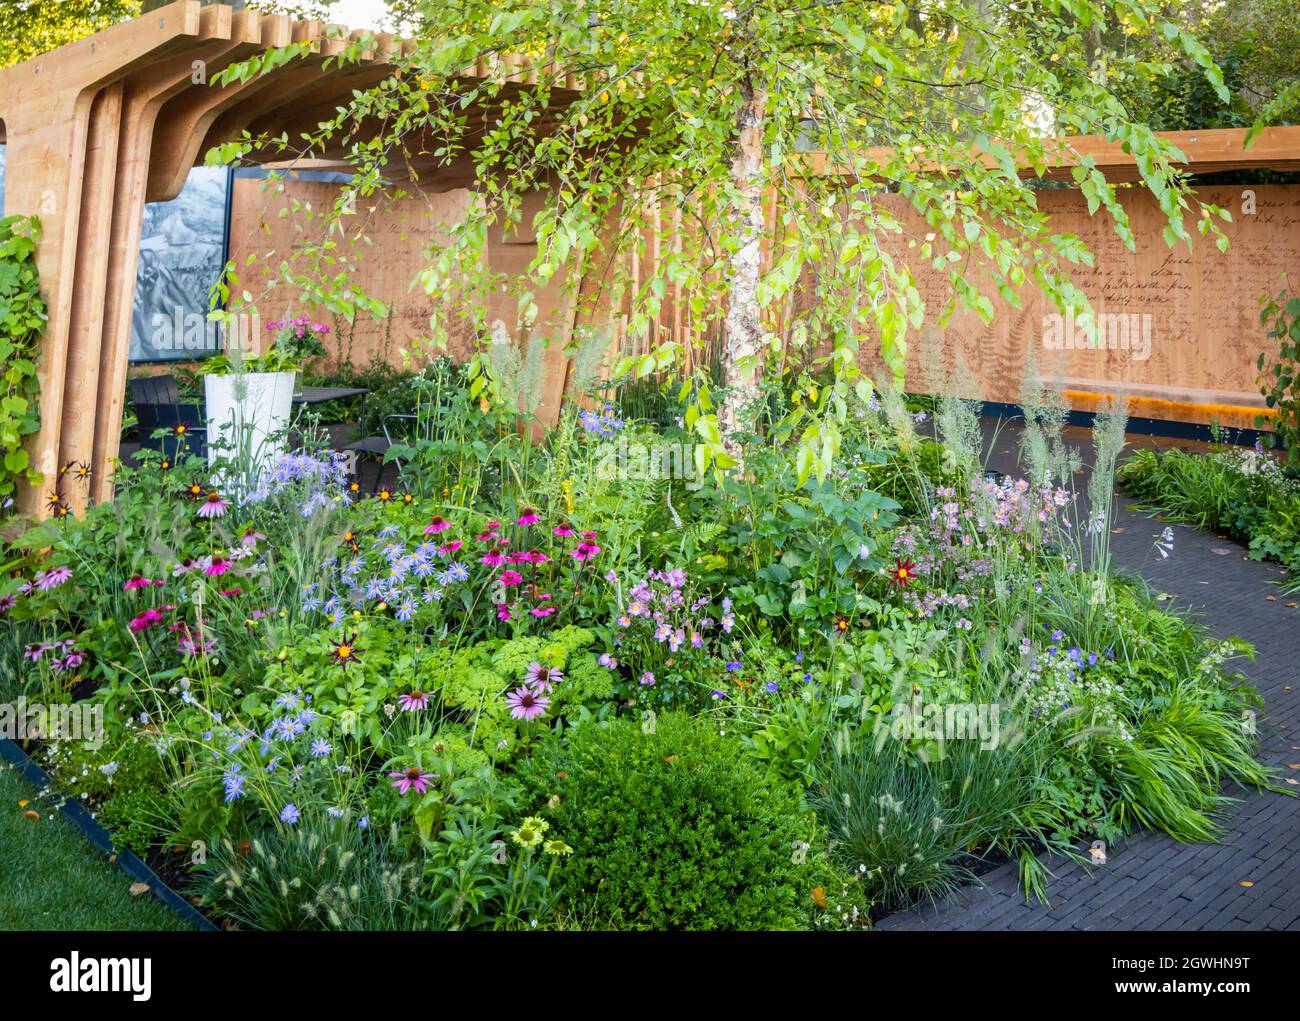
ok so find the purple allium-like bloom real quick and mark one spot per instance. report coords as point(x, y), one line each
point(527, 704)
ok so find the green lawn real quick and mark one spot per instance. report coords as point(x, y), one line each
point(51, 878)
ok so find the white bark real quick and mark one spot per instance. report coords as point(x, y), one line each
point(743, 330)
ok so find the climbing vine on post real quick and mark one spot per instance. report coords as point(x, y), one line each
point(22, 324)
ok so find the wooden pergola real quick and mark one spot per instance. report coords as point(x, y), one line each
point(98, 128)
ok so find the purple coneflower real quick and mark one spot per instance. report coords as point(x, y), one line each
point(511, 577)
point(528, 518)
point(145, 621)
point(218, 566)
point(493, 557)
point(413, 701)
point(413, 778)
point(542, 678)
point(585, 551)
point(213, 507)
point(527, 704)
point(136, 581)
point(438, 524)
point(53, 578)
point(542, 612)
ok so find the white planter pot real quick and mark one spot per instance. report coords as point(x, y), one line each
point(248, 413)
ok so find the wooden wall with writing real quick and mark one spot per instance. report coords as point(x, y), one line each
point(1184, 324)
point(1182, 327)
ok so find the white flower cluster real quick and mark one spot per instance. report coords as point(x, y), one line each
point(1258, 465)
point(1068, 692)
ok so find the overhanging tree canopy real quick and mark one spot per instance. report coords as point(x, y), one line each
point(712, 108)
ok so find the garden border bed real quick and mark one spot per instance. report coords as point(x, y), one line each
point(127, 860)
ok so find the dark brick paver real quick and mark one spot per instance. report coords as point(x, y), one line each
point(1151, 881)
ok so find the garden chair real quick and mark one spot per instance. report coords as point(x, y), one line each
point(377, 447)
point(158, 405)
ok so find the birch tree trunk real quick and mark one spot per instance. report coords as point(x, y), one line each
point(743, 332)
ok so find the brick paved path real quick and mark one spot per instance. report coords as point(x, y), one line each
point(1152, 881)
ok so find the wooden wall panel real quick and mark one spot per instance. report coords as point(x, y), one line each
point(1200, 310)
point(263, 226)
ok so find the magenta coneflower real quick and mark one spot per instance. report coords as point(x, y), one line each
point(413, 778)
point(438, 524)
point(145, 621)
point(218, 566)
point(413, 701)
point(528, 518)
point(511, 578)
point(488, 536)
point(213, 506)
point(447, 548)
point(7, 603)
point(493, 557)
point(564, 530)
point(527, 704)
point(543, 678)
point(585, 551)
point(542, 611)
point(536, 556)
point(136, 581)
point(53, 578)
point(251, 536)
point(503, 611)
